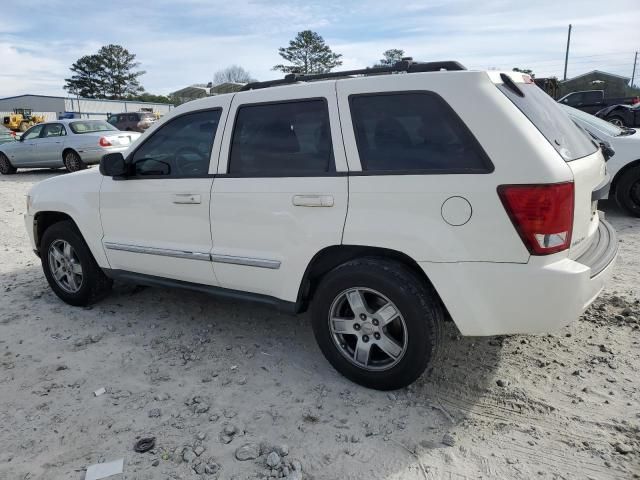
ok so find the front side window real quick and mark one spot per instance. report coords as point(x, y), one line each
point(592, 97)
point(34, 132)
point(413, 131)
point(54, 130)
point(280, 139)
point(180, 148)
point(113, 119)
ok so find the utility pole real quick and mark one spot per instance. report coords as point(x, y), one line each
point(633, 75)
point(566, 55)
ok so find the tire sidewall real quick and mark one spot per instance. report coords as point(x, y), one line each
point(5, 165)
point(623, 191)
point(419, 314)
point(65, 231)
point(73, 162)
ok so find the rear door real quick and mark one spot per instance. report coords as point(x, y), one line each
point(280, 195)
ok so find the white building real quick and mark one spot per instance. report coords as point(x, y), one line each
point(56, 107)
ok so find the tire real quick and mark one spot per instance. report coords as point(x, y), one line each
point(24, 126)
point(416, 327)
point(73, 162)
point(92, 284)
point(628, 191)
point(617, 121)
point(5, 166)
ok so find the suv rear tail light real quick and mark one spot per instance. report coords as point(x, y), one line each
point(542, 214)
point(104, 142)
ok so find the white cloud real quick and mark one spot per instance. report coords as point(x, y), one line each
point(179, 43)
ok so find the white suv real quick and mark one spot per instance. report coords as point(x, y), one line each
point(385, 200)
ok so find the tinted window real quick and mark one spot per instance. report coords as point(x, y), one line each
point(413, 131)
point(54, 130)
point(592, 97)
point(113, 119)
point(133, 118)
point(34, 132)
point(573, 99)
point(290, 138)
point(181, 147)
point(554, 123)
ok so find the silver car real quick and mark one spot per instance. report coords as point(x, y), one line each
point(73, 144)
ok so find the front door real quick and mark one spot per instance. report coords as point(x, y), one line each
point(156, 221)
point(49, 146)
point(280, 195)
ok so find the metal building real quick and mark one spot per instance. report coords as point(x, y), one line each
point(56, 107)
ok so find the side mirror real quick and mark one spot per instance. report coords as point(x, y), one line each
point(113, 165)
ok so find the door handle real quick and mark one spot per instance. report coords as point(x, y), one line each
point(313, 200)
point(185, 198)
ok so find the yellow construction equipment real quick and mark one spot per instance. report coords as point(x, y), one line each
point(21, 120)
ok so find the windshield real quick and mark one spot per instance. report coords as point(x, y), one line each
point(91, 126)
point(595, 122)
point(553, 123)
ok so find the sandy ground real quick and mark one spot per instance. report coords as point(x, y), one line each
point(565, 405)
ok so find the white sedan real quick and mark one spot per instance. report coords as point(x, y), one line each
point(73, 144)
point(624, 166)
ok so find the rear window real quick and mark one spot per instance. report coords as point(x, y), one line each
point(413, 132)
point(91, 126)
point(554, 124)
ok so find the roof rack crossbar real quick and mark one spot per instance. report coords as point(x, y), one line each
point(406, 65)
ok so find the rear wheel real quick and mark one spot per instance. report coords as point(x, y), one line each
point(377, 322)
point(5, 165)
point(24, 126)
point(617, 121)
point(628, 191)
point(69, 266)
point(73, 162)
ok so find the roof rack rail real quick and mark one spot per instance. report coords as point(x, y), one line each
point(406, 65)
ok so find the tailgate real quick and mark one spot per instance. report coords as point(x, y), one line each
point(590, 178)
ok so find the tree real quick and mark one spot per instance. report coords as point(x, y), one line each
point(119, 72)
point(87, 78)
point(149, 97)
point(232, 74)
point(110, 73)
point(524, 70)
point(309, 54)
point(390, 57)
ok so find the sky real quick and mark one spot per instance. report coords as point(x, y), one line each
point(181, 42)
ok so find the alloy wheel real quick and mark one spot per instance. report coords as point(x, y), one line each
point(65, 266)
point(368, 329)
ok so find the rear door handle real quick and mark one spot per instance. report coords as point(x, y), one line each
point(184, 198)
point(313, 200)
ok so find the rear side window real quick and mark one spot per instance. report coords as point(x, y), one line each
point(280, 139)
point(413, 132)
point(554, 124)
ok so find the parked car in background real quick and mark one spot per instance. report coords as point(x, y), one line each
point(624, 165)
point(73, 144)
point(591, 101)
point(132, 121)
point(383, 203)
point(621, 115)
point(7, 135)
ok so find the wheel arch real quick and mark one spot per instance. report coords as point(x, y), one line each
point(620, 173)
point(67, 150)
point(330, 257)
point(43, 220)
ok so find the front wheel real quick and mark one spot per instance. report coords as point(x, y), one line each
point(628, 191)
point(69, 266)
point(617, 121)
point(73, 162)
point(5, 165)
point(377, 322)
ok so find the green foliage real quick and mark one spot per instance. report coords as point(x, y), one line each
point(149, 97)
point(390, 57)
point(524, 70)
point(110, 73)
point(309, 54)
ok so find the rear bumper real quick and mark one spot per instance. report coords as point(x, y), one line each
point(507, 298)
